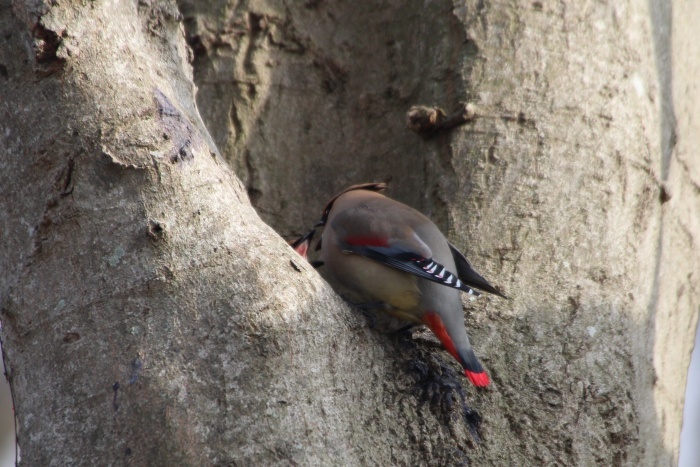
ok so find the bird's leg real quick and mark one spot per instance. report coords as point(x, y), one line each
point(405, 328)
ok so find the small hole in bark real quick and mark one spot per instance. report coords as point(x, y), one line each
point(156, 230)
point(256, 23)
point(71, 337)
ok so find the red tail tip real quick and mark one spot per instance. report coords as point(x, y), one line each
point(478, 379)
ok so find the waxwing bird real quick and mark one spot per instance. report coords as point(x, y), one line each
point(390, 253)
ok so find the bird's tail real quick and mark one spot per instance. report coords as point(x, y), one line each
point(472, 368)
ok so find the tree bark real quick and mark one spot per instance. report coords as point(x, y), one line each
point(149, 316)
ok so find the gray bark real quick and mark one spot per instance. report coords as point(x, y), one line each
point(149, 316)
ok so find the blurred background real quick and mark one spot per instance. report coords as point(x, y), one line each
point(690, 448)
point(7, 426)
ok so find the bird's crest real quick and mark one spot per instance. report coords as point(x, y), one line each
point(377, 186)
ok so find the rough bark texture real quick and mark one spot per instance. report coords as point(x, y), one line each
point(149, 315)
point(576, 188)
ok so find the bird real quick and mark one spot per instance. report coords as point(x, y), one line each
point(389, 253)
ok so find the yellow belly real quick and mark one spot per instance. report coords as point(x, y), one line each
point(382, 283)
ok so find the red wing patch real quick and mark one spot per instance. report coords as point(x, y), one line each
point(361, 240)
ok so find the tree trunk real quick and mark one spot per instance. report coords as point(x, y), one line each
point(149, 316)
